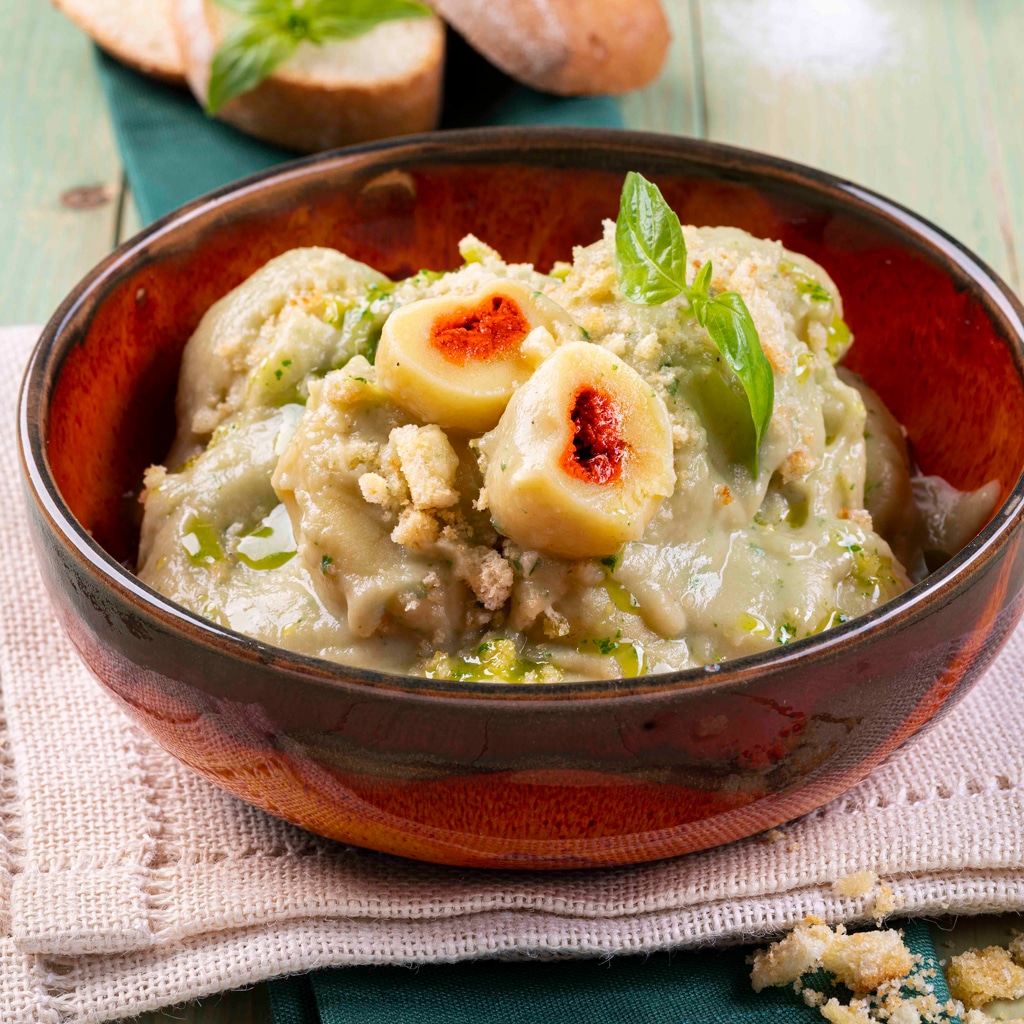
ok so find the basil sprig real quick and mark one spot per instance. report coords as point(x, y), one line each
point(650, 258)
point(270, 30)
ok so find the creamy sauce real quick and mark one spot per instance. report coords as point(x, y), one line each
point(533, 479)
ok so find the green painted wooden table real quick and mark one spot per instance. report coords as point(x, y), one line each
point(918, 99)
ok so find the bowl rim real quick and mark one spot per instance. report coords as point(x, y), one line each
point(505, 145)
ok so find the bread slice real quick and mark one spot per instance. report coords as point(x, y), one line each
point(138, 32)
point(386, 82)
point(571, 47)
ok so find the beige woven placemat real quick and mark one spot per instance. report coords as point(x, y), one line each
point(127, 883)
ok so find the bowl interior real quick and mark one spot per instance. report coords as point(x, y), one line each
point(928, 339)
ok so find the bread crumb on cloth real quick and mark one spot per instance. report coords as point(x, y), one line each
point(981, 975)
point(863, 961)
point(859, 884)
point(888, 981)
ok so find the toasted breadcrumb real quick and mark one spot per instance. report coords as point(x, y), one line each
point(860, 516)
point(151, 480)
point(555, 624)
point(429, 464)
point(648, 347)
point(905, 1013)
point(416, 529)
point(887, 979)
point(859, 884)
point(981, 975)
point(864, 960)
point(884, 903)
point(797, 464)
point(374, 488)
point(785, 961)
point(488, 574)
point(980, 1017)
point(837, 1013)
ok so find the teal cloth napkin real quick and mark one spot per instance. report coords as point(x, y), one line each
point(172, 152)
point(695, 987)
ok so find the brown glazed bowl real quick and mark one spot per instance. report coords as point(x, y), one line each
point(560, 776)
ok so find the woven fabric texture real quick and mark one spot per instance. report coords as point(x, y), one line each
point(127, 882)
point(688, 987)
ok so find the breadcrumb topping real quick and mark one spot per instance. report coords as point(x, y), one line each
point(981, 975)
point(428, 463)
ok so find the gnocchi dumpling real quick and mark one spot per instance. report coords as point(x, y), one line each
point(581, 458)
point(455, 360)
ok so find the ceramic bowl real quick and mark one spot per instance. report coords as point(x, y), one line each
point(560, 776)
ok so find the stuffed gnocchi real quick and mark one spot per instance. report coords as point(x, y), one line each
point(494, 473)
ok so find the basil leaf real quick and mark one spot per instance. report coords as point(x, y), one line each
point(650, 252)
point(697, 294)
point(650, 259)
point(250, 51)
point(701, 282)
point(346, 19)
point(732, 329)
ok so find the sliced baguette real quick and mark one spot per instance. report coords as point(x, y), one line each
point(571, 47)
point(386, 82)
point(138, 32)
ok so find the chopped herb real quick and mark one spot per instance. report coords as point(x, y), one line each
point(325, 563)
point(786, 633)
point(813, 291)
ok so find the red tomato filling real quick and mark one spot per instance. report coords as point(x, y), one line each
point(490, 329)
point(595, 454)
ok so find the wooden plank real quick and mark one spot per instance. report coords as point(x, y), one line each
point(675, 102)
point(890, 95)
point(56, 138)
point(997, 33)
point(129, 222)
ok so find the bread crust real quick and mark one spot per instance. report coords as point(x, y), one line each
point(300, 113)
point(144, 39)
point(570, 47)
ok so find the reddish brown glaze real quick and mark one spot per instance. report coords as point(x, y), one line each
point(544, 777)
point(492, 328)
point(594, 455)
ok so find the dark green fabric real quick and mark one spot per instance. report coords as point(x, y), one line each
point(695, 987)
point(292, 1001)
point(172, 152)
